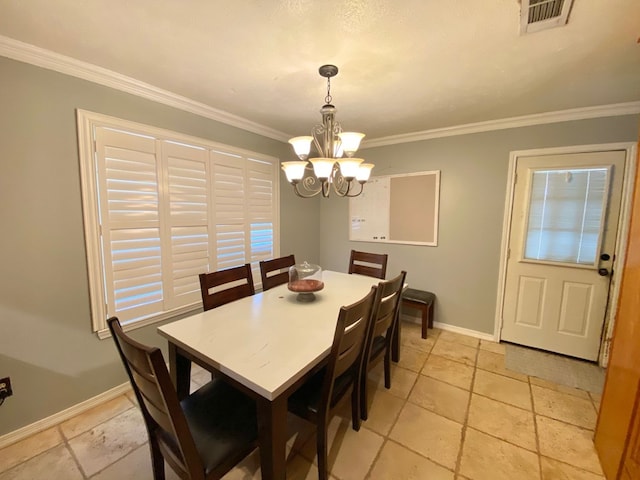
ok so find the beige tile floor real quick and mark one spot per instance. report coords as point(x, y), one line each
point(453, 413)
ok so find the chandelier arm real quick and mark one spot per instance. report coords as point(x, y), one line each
point(297, 191)
point(340, 185)
point(326, 189)
point(329, 131)
point(359, 191)
point(336, 141)
point(329, 151)
point(317, 131)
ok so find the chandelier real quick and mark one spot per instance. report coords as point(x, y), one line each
point(346, 175)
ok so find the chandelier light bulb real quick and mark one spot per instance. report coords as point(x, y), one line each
point(323, 167)
point(350, 142)
point(349, 167)
point(364, 171)
point(302, 146)
point(294, 170)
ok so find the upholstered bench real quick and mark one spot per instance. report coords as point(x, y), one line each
point(422, 301)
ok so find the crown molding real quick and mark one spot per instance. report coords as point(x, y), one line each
point(629, 108)
point(40, 57)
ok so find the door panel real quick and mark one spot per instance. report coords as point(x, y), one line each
point(565, 215)
point(530, 301)
point(575, 309)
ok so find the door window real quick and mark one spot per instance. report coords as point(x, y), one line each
point(566, 215)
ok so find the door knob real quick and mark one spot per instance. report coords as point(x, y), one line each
point(605, 257)
point(603, 272)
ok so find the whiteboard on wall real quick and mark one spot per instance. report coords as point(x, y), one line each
point(397, 209)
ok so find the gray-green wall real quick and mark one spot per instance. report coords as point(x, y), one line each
point(463, 269)
point(46, 343)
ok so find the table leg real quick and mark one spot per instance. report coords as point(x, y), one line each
point(272, 437)
point(180, 368)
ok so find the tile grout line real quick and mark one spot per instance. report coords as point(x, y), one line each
point(535, 427)
point(385, 438)
point(406, 401)
point(465, 425)
point(66, 444)
point(65, 441)
point(471, 393)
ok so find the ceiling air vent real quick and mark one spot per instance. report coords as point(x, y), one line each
point(536, 15)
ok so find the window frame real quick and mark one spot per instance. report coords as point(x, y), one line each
point(87, 123)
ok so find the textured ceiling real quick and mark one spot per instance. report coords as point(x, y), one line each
point(405, 65)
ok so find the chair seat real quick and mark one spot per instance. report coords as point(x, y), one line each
point(306, 399)
point(418, 296)
point(423, 301)
point(222, 421)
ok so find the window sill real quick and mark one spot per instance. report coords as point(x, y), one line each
point(172, 314)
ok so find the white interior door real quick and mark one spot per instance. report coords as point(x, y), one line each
point(561, 251)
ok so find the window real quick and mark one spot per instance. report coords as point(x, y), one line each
point(161, 208)
point(566, 215)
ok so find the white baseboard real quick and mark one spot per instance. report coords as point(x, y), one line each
point(55, 419)
point(452, 328)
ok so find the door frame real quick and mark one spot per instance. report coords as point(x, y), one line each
point(621, 240)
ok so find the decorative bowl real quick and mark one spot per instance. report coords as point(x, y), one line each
point(305, 279)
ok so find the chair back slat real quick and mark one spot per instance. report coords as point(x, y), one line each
point(145, 382)
point(152, 398)
point(267, 267)
point(235, 275)
point(385, 312)
point(348, 342)
point(386, 304)
point(369, 264)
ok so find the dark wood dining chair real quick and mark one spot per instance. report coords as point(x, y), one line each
point(267, 267)
point(228, 285)
point(385, 315)
point(370, 264)
point(201, 437)
point(317, 399)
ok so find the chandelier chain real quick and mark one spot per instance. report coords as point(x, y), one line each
point(328, 98)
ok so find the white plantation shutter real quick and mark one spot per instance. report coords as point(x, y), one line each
point(261, 207)
point(230, 210)
point(188, 209)
point(244, 210)
point(161, 208)
point(130, 223)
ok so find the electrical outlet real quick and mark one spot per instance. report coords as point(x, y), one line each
point(5, 388)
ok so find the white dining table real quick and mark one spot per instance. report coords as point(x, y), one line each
point(267, 345)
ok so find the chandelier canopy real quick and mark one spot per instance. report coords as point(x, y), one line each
point(331, 171)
